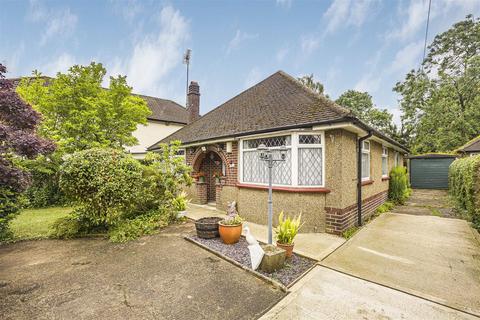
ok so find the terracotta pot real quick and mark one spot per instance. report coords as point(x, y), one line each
point(230, 234)
point(287, 247)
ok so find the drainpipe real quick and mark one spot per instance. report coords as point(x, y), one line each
point(359, 177)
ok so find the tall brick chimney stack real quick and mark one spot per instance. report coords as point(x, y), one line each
point(193, 101)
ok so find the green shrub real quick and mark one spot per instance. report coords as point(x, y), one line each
point(385, 207)
point(347, 234)
point(464, 187)
point(66, 228)
point(104, 184)
point(117, 194)
point(398, 190)
point(10, 204)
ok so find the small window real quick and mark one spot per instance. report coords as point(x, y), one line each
point(310, 139)
point(365, 161)
point(384, 162)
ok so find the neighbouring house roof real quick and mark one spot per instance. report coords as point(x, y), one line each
point(165, 110)
point(162, 109)
point(471, 146)
point(279, 102)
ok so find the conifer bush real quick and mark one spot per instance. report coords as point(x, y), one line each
point(398, 190)
point(464, 187)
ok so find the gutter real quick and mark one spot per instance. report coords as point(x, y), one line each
point(359, 176)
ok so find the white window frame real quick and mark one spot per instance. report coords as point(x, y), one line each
point(396, 159)
point(294, 146)
point(367, 152)
point(384, 156)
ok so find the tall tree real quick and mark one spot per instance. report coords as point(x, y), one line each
point(440, 101)
point(18, 124)
point(361, 104)
point(79, 114)
point(309, 82)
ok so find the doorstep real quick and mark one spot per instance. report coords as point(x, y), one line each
point(312, 245)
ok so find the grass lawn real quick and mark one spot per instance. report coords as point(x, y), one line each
point(35, 223)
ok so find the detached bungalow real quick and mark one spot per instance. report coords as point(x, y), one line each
point(471, 148)
point(324, 143)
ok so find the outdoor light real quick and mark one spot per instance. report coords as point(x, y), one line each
point(204, 149)
point(267, 156)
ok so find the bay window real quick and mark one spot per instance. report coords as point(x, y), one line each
point(384, 162)
point(303, 165)
point(365, 161)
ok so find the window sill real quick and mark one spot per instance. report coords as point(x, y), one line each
point(385, 178)
point(367, 182)
point(286, 189)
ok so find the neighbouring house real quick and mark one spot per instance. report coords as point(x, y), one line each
point(471, 148)
point(323, 144)
point(167, 117)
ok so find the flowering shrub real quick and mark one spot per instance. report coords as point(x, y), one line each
point(464, 185)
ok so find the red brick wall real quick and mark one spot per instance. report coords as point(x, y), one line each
point(339, 220)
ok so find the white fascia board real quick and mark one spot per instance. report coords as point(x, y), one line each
point(201, 143)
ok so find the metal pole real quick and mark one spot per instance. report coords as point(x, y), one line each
point(186, 97)
point(270, 201)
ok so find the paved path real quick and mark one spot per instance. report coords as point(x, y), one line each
point(327, 294)
point(432, 262)
point(313, 245)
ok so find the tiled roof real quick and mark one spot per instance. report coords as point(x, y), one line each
point(162, 109)
point(278, 102)
point(165, 110)
point(471, 146)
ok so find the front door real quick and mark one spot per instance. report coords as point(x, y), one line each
point(211, 165)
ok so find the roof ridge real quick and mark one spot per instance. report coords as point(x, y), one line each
point(330, 103)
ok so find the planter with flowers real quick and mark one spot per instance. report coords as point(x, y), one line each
point(286, 231)
point(200, 176)
point(218, 177)
point(230, 228)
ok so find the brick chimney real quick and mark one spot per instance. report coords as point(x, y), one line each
point(193, 101)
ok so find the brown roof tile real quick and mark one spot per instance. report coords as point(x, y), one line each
point(472, 146)
point(278, 102)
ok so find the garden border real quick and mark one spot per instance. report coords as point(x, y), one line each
point(255, 273)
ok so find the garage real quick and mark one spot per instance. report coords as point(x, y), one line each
point(430, 171)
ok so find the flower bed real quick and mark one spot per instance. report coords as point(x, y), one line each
point(294, 268)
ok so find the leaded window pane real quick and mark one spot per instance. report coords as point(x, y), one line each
point(365, 165)
point(310, 139)
point(310, 166)
point(268, 142)
point(256, 170)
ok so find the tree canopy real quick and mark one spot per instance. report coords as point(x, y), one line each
point(309, 82)
point(440, 101)
point(79, 114)
point(360, 103)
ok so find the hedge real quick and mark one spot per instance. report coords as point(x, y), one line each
point(464, 185)
point(398, 190)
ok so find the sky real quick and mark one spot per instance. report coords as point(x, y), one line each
point(366, 45)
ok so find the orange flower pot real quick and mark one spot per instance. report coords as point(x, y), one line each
point(287, 247)
point(230, 234)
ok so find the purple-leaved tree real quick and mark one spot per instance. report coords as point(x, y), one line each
point(18, 140)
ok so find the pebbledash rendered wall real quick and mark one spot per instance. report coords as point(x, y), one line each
point(333, 211)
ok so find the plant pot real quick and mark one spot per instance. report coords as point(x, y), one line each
point(201, 179)
point(207, 228)
point(287, 247)
point(230, 234)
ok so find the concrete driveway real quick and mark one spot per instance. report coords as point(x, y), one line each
point(162, 276)
point(418, 265)
point(433, 257)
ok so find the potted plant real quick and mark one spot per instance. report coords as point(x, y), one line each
point(218, 176)
point(286, 231)
point(201, 176)
point(230, 228)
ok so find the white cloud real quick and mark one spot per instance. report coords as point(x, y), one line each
point(281, 54)
point(155, 55)
point(58, 22)
point(309, 43)
point(346, 13)
point(128, 9)
point(409, 57)
point(369, 82)
point(237, 40)
point(284, 3)
point(413, 18)
point(253, 77)
point(61, 64)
